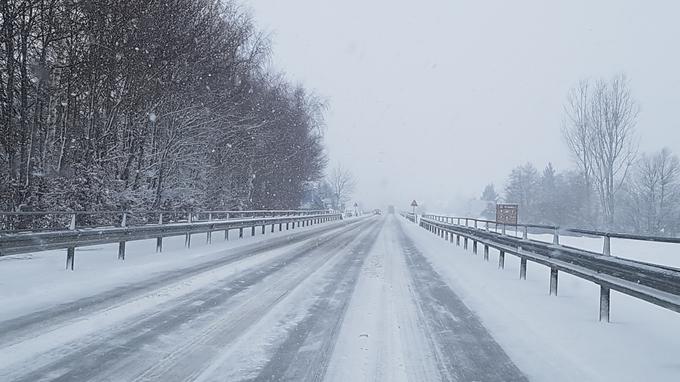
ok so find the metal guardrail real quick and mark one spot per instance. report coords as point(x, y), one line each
point(37, 220)
point(657, 284)
point(525, 228)
point(409, 216)
point(26, 242)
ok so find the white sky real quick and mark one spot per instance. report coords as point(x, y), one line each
point(433, 99)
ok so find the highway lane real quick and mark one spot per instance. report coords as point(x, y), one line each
point(354, 302)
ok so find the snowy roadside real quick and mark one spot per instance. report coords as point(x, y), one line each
point(558, 338)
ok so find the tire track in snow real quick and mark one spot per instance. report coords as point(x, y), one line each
point(17, 329)
point(99, 355)
point(464, 349)
point(306, 352)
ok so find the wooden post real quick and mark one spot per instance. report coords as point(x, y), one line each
point(486, 252)
point(474, 247)
point(465, 243)
point(501, 260)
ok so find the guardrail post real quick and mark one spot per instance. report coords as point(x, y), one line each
point(458, 240)
point(240, 233)
point(121, 244)
point(523, 268)
point(605, 295)
point(272, 227)
point(187, 238)
point(465, 243)
point(70, 257)
point(252, 231)
point(486, 226)
point(71, 251)
point(501, 259)
point(226, 231)
point(556, 236)
point(503, 228)
point(263, 229)
point(475, 223)
point(486, 252)
point(159, 239)
point(474, 247)
point(286, 226)
point(553, 281)
point(525, 235)
point(280, 227)
point(208, 235)
point(607, 248)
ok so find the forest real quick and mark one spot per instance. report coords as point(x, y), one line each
point(158, 104)
point(612, 185)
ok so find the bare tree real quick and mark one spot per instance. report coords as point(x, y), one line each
point(342, 183)
point(600, 133)
point(654, 193)
point(577, 132)
point(613, 147)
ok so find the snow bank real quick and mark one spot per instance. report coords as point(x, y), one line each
point(560, 338)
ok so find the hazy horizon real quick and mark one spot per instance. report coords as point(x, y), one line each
point(434, 101)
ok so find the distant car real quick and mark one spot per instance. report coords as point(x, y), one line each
point(377, 212)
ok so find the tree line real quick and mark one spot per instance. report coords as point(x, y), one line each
point(613, 186)
point(158, 104)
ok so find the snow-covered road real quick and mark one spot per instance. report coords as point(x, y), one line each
point(368, 299)
point(351, 301)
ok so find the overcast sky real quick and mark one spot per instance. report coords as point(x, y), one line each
point(432, 99)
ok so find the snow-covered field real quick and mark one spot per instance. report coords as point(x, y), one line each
point(368, 299)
